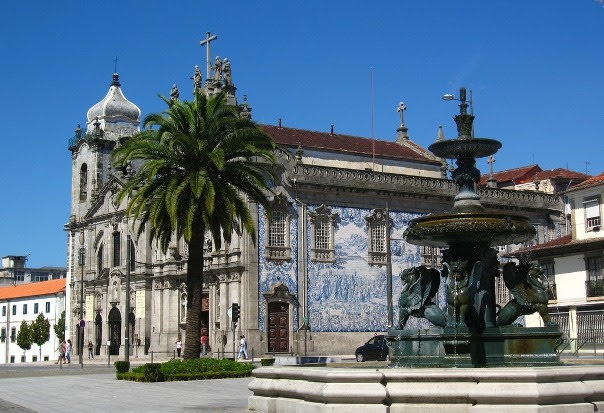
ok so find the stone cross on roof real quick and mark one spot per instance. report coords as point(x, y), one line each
point(207, 41)
point(491, 161)
point(401, 109)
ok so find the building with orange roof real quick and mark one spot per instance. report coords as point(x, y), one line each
point(24, 302)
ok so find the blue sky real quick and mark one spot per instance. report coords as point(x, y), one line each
point(535, 69)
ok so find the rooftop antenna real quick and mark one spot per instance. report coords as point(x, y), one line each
point(587, 163)
point(372, 127)
point(115, 64)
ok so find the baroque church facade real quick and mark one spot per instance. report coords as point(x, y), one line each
point(314, 283)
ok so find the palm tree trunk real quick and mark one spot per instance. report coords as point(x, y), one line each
point(192, 345)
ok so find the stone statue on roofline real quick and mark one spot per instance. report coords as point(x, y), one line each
point(226, 72)
point(217, 70)
point(197, 78)
point(174, 93)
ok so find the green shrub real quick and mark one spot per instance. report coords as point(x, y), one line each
point(267, 362)
point(152, 372)
point(122, 366)
point(193, 369)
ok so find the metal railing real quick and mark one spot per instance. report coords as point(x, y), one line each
point(594, 288)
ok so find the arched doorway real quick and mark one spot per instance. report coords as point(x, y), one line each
point(98, 334)
point(115, 331)
point(278, 327)
point(280, 303)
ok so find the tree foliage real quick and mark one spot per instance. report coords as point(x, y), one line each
point(24, 336)
point(198, 162)
point(40, 331)
point(59, 328)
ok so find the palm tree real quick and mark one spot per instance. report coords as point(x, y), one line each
point(198, 162)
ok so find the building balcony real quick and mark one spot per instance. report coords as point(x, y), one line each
point(594, 288)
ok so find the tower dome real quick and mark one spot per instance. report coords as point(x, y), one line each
point(116, 115)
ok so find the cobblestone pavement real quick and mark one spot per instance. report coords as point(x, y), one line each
point(48, 389)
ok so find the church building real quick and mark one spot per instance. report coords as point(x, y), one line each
point(316, 280)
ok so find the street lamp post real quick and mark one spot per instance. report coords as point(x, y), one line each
point(82, 257)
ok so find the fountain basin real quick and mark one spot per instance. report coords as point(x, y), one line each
point(485, 228)
point(465, 148)
point(577, 389)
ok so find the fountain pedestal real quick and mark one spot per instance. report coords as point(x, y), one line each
point(510, 346)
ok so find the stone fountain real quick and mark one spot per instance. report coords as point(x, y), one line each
point(471, 334)
point(441, 367)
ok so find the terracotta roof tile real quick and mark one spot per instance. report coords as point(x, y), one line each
point(561, 173)
point(512, 175)
point(33, 289)
point(343, 143)
point(593, 181)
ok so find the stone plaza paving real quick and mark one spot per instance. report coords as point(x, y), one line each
point(48, 389)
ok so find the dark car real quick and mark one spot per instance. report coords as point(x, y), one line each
point(374, 349)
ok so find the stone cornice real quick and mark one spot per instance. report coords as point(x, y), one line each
point(360, 180)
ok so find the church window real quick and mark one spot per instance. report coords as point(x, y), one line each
point(592, 214)
point(376, 230)
point(276, 229)
point(99, 260)
point(277, 239)
point(116, 249)
point(83, 182)
point(132, 257)
point(322, 234)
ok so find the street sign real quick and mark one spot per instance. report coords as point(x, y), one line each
point(230, 312)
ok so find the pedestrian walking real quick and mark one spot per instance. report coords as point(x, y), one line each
point(61, 350)
point(178, 346)
point(68, 351)
point(242, 348)
point(90, 348)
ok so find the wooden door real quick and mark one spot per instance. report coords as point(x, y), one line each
point(278, 327)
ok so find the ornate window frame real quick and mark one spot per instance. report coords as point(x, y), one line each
point(322, 229)
point(377, 225)
point(278, 243)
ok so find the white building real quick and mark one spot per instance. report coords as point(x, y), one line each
point(23, 303)
point(573, 265)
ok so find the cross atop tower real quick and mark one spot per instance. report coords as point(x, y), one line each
point(401, 109)
point(207, 41)
point(491, 161)
point(115, 64)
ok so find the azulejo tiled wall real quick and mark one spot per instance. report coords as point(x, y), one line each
point(350, 294)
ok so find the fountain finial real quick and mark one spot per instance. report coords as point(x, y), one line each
point(463, 120)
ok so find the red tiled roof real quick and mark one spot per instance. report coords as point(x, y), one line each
point(561, 173)
point(343, 143)
point(33, 289)
point(515, 175)
point(593, 181)
point(567, 239)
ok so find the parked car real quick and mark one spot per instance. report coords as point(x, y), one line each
point(374, 349)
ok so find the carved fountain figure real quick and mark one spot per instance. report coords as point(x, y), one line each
point(473, 333)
